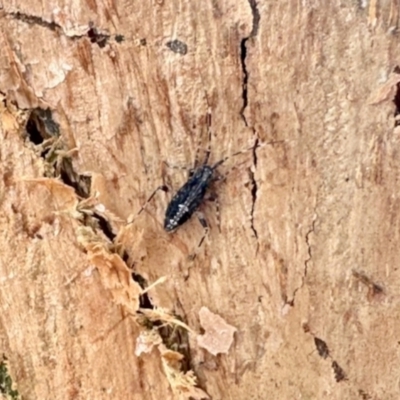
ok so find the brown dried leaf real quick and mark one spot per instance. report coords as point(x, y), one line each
point(182, 384)
point(115, 275)
point(161, 314)
point(146, 341)
point(218, 335)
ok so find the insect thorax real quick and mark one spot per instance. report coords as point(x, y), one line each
point(203, 174)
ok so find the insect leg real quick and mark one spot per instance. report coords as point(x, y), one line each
point(204, 224)
point(209, 134)
point(196, 156)
point(161, 187)
point(214, 198)
point(222, 178)
point(179, 167)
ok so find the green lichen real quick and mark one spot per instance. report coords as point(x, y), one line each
point(6, 384)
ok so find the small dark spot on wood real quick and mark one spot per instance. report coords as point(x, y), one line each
point(322, 347)
point(396, 101)
point(95, 36)
point(119, 38)
point(364, 395)
point(177, 46)
point(340, 375)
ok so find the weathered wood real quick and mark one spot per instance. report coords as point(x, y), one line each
point(304, 265)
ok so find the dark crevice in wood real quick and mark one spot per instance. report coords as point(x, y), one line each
point(80, 183)
point(33, 132)
point(396, 99)
point(41, 126)
point(144, 299)
point(243, 56)
point(245, 81)
point(254, 189)
point(35, 20)
point(44, 132)
point(101, 39)
point(256, 17)
point(105, 227)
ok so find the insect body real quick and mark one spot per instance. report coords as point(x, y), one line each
point(188, 198)
point(191, 194)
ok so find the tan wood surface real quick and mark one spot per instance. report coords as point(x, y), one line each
point(296, 286)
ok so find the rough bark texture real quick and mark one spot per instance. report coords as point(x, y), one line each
point(303, 258)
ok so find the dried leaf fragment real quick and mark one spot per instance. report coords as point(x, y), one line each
point(182, 384)
point(161, 314)
point(115, 274)
point(386, 92)
point(146, 341)
point(218, 336)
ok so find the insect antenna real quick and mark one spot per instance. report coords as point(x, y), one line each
point(218, 163)
point(164, 188)
point(208, 121)
point(255, 145)
point(197, 162)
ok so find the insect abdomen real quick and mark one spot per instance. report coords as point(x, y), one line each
point(188, 198)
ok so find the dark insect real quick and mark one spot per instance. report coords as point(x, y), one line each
point(189, 197)
point(196, 190)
